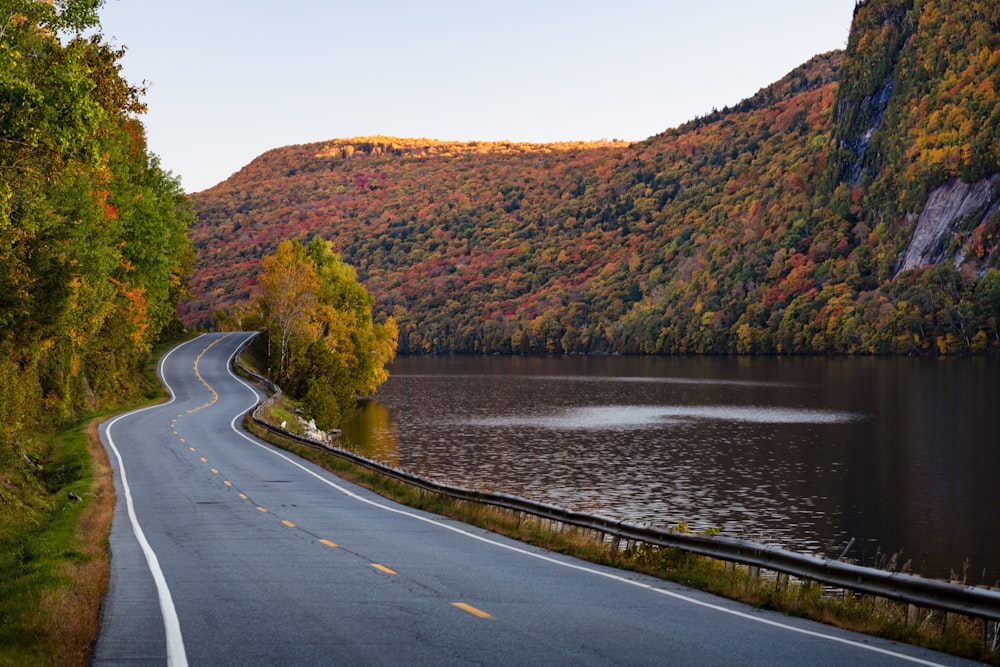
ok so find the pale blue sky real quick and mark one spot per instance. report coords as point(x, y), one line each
point(230, 80)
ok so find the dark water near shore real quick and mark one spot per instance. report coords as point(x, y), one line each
point(902, 455)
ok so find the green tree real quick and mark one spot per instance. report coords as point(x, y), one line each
point(329, 349)
point(94, 252)
point(288, 285)
point(93, 234)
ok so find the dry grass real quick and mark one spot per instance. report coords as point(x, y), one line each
point(70, 616)
point(55, 571)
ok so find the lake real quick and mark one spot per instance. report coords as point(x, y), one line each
point(899, 454)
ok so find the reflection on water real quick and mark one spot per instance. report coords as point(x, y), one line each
point(801, 452)
point(372, 433)
point(622, 417)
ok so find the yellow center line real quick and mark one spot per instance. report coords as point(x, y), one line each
point(191, 448)
point(215, 396)
point(204, 460)
point(243, 496)
point(328, 543)
point(288, 523)
point(228, 483)
point(383, 568)
point(214, 471)
point(183, 440)
point(262, 510)
point(472, 610)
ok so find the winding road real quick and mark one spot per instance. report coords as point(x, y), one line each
point(228, 551)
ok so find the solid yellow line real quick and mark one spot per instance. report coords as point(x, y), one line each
point(383, 568)
point(215, 395)
point(472, 610)
point(288, 523)
point(328, 543)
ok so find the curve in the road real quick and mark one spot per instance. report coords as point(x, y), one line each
point(289, 514)
point(581, 568)
point(172, 626)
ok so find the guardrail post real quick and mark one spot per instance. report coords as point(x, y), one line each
point(992, 635)
point(992, 630)
point(951, 618)
point(616, 546)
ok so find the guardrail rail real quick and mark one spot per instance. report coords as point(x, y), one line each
point(973, 601)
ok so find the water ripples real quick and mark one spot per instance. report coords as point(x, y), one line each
point(803, 453)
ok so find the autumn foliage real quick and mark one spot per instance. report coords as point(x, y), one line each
point(324, 349)
point(93, 233)
point(773, 226)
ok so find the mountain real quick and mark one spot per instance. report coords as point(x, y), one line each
point(850, 207)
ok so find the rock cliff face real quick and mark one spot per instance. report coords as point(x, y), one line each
point(867, 85)
point(873, 111)
point(915, 132)
point(951, 208)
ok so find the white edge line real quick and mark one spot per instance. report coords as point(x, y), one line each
point(540, 556)
point(176, 654)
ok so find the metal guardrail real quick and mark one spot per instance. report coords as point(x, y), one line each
point(901, 587)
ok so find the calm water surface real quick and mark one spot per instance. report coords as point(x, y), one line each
point(900, 454)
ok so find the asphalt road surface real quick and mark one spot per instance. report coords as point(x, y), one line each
point(228, 551)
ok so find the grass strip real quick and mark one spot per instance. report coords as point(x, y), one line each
point(54, 567)
point(56, 509)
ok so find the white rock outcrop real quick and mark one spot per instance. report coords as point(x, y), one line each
point(946, 207)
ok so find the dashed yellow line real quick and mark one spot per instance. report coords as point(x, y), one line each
point(472, 610)
point(383, 568)
point(243, 496)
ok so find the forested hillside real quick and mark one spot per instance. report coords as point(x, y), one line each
point(93, 234)
point(796, 221)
